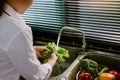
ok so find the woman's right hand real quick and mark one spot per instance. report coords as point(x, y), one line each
point(52, 60)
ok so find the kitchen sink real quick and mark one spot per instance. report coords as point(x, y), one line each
point(110, 60)
point(59, 69)
point(69, 69)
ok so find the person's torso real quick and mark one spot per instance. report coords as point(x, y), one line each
point(9, 28)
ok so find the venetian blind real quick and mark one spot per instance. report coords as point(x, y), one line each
point(100, 19)
point(46, 15)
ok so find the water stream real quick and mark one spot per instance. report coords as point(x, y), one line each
point(58, 66)
point(58, 40)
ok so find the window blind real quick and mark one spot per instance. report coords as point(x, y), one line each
point(100, 19)
point(46, 15)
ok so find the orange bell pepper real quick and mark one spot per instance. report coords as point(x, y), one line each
point(106, 76)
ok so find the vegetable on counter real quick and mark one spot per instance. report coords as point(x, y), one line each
point(59, 51)
point(85, 76)
point(87, 65)
point(106, 76)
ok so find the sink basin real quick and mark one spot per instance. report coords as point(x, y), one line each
point(69, 69)
point(58, 69)
point(112, 61)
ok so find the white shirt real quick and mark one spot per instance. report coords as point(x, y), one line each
point(17, 55)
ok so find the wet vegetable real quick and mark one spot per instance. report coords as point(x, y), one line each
point(59, 51)
point(106, 76)
point(46, 54)
point(85, 76)
point(62, 54)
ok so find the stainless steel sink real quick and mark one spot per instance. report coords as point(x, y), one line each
point(59, 69)
point(110, 60)
point(69, 69)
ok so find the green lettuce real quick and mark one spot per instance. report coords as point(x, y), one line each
point(61, 53)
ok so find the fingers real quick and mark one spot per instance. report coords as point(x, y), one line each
point(53, 56)
point(46, 49)
point(52, 60)
point(42, 48)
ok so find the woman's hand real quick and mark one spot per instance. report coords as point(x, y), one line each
point(39, 49)
point(52, 60)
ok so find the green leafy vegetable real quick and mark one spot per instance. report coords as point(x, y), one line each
point(87, 65)
point(46, 54)
point(59, 51)
point(51, 46)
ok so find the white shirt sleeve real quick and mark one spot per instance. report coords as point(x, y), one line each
point(23, 57)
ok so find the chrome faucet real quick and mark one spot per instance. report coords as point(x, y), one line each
point(70, 28)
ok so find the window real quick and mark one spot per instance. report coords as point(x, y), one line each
point(46, 15)
point(100, 19)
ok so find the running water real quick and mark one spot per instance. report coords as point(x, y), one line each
point(58, 40)
point(58, 66)
point(57, 46)
point(59, 35)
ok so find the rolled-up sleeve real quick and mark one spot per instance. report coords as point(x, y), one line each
point(23, 57)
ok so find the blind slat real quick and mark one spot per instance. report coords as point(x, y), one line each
point(99, 19)
point(46, 15)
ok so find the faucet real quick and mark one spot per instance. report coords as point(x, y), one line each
point(70, 28)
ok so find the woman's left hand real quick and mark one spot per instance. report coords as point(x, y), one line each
point(39, 49)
